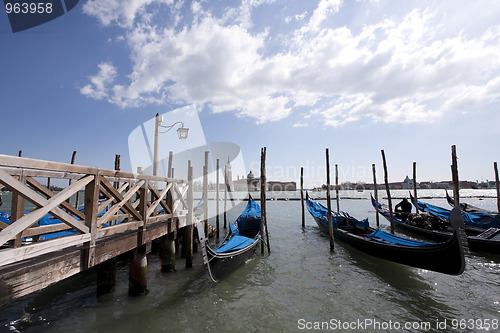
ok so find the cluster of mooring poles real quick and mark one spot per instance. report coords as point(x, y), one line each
point(454, 172)
point(121, 213)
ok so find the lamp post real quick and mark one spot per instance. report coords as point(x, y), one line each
point(182, 132)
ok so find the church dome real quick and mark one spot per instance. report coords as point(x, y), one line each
point(250, 175)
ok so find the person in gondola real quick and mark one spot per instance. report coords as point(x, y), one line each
point(403, 209)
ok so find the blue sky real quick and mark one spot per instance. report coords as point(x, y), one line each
point(409, 77)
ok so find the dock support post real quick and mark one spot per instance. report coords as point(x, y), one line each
point(328, 203)
point(189, 223)
point(138, 278)
point(106, 277)
point(167, 243)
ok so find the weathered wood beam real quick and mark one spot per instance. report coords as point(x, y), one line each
point(8, 256)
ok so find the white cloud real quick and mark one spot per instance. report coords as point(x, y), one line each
point(400, 68)
point(99, 83)
point(121, 12)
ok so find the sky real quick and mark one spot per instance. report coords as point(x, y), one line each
point(411, 78)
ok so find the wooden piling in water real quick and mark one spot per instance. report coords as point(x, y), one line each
point(217, 222)
point(225, 196)
point(205, 195)
point(328, 203)
point(167, 242)
point(415, 185)
point(106, 271)
point(263, 209)
point(190, 219)
point(386, 179)
point(302, 196)
point(337, 187)
point(106, 277)
point(138, 277)
point(497, 185)
point(375, 192)
point(454, 174)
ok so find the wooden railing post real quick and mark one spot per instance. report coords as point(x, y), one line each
point(167, 242)
point(17, 211)
point(91, 211)
point(138, 278)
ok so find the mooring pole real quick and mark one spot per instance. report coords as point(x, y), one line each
point(205, 195)
point(217, 200)
point(415, 185)
point(454, 174)
point(263, 188)
point(302, 196)
point(189, 222)
point(138, 275)
point(328, 203)
point(386, 179)
point(375, 191)
point(167, 242)
point(225, 196)
point(337, 187)
point(497, 185)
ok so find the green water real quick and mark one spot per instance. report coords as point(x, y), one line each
point(300, 285)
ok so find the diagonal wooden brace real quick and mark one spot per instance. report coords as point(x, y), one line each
point(45, 205)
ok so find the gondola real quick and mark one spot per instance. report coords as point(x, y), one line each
point(439, 230)
point(239, 245)
point(467, 208)
point(473, 219)
point(444, 257)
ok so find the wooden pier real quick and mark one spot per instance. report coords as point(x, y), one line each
point(121, 212)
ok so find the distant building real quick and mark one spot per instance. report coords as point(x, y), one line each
point(251, 183)
point(228, 176)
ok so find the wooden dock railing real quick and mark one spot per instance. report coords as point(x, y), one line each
point(120, 208)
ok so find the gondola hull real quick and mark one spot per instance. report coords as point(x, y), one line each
point(439, 258)
point(477, 241)
point(446, 257)
point(238, 246)
point(221, 264)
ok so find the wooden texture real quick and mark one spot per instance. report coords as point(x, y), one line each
point(415, 184)
point(375, 192)
point(121, 226)
point(386, 179)
point(328, 202)
point(302, 196)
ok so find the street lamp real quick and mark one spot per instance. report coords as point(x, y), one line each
point(182, 132)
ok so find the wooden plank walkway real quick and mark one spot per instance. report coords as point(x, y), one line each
point(121, 212)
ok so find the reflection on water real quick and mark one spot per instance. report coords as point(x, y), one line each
point(301, 279)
